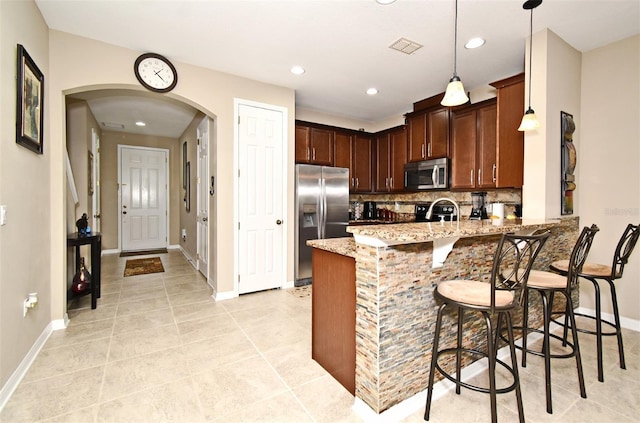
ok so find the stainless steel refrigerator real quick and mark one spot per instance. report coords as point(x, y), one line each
point(322, 211)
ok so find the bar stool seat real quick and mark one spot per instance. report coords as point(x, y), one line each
point(594, 272)
point(499, 297)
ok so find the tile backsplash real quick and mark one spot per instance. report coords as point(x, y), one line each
point(405, 203)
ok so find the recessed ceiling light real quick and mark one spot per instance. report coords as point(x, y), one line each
point(372, 91)
point(297, 70)
point(474, 43)
point(140, 123)
point(385, 1)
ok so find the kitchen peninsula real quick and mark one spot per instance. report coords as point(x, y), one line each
point(373, 325)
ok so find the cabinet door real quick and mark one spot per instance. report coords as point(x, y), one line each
point(398, 147)
point(463, 150)
point(510, 141)
point(383, 163)
point(417, 138)
point(302, 144)
point(438, 133)
point(486, 146)
point(342, 154)
point(362, 153)
point(322, 146)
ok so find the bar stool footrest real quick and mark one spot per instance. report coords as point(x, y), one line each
point(590, 332)
point(453, 351)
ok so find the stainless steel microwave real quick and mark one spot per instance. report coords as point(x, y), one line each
point(427, 174)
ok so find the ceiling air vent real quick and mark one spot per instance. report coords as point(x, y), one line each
point(112, 125)
point(405, 46)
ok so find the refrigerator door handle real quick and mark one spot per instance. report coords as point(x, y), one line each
point(322, 219)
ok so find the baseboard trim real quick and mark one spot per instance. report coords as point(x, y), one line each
point(12, 383)
point(625, 322)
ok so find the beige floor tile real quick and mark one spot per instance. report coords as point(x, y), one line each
point(143, 341)
point(198, 310)
point(327, 401)
point(209, 327)
point(139, 321)
point(294, 364)
point(80, 333)
point(211, 353)
point(51, 397)
point(270, 336)
point(141, 306)
point(283, 408)
point(87, 414)
point(58, 361)
point(86, 315)
point(192, 297)
point(171, 402)
point(241, 383)
point(131, 375)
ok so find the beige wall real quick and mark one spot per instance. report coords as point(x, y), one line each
point(608, 155)
point(188, 218)
point(80, 64)
point(555, 88)
point(109, 182)
point(25, 247)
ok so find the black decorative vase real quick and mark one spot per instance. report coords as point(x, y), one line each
point(81, 280)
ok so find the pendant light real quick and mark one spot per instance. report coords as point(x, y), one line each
point(455, 94)
point(529, 120)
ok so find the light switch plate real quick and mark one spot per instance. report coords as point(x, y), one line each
point(3, 215)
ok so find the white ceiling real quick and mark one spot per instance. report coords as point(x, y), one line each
point(342, 44)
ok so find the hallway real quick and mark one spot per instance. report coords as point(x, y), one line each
point(159, 349)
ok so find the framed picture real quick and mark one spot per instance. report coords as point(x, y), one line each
point(568, 157)
point(184, 165)
point(187, 190)
point(30, 107)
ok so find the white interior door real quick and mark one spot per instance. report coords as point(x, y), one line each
point(95, 176)
point(204, 186)
point(261, 255)
point(143, 198)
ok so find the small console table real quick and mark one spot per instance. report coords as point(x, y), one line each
point(95, 240)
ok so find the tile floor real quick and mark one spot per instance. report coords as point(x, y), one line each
point(159, 349)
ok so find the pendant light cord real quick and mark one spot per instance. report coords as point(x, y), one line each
point(455, 41)
point(530, 54)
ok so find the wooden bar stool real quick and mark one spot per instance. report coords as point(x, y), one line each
point(547, 284)
point(513, 258)
point(595, 272)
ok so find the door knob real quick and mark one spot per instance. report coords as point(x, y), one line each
point(205, 219)
point(278, 222)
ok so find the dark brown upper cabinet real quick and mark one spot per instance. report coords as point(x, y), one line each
point(314, 145)
point(391, 156)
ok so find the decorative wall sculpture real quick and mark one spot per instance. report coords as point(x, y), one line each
point(569, 157)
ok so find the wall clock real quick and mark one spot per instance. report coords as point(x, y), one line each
point(155, 72)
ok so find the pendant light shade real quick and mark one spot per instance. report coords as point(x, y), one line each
point(529, 120)
point(455, 94)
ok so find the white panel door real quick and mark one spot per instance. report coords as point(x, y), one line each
point(261, 255)
point(143, 201)
point(203, 197)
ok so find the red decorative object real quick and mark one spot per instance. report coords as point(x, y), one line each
point(81, 280)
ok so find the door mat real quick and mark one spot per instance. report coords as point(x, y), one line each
point(143, 253)
point(143, 266)
point(300, 291)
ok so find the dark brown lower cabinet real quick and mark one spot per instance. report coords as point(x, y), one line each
point(333, 315)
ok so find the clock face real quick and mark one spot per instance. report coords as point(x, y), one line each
point(155, 72)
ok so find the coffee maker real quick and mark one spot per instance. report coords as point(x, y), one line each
point(370, 210)
point(478, 210)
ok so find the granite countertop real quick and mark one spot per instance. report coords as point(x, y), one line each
point(408, 233)
point(343, 246)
